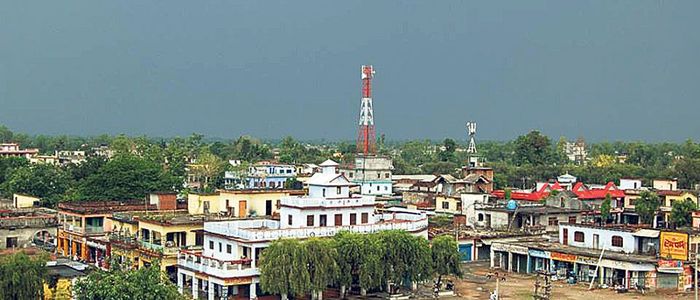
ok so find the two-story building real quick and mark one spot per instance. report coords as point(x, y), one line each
point(240, 203)
point(227, 266)
point(85, 224)
point(371, 173)
point(27, 227)
point(13, 150)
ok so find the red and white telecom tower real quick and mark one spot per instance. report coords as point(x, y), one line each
point(366, 138)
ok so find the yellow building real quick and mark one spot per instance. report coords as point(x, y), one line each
point(448, 204)
point(240, 203)
point(669, 197)
point(143, 238)
point(25, 201)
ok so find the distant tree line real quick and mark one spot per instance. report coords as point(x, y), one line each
point(162, 164)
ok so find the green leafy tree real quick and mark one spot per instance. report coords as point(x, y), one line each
point(284, 269)
point(207, 168)
point(359, 258)
point(22, 276)
point(322, 264)
point(406, 258)
point(5, 134)
point(45, 181)
point(646, 206)
point(533, 148)
point(9, 165)
point(126, 284)
point(605, 208)
point(446, 257)
point(448, 154)
point(681, 213)
point(126, 177)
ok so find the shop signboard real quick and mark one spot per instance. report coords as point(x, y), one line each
point(538, 253)
point(586, 260)
point(670, 266)
point(509, 248)
point(563, 257)
point(673, 245)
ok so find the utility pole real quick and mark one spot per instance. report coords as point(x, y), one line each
point(499, 278)
point(695, 284)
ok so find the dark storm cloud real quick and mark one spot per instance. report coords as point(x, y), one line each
point(598, 69)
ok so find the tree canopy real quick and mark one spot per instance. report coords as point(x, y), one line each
point(681, 213)
point(22, 276)
point(445, 256)
point(126, 284)
point(646, 206)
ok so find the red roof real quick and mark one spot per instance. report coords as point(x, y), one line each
point(581, 191)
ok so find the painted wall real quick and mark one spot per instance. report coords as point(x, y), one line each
point(629, 244)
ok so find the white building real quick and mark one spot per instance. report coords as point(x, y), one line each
point(373, 174)
point(630, 183)
point(227, 267)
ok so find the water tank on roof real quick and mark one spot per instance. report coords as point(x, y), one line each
point(512, 205)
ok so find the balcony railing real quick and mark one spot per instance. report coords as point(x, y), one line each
point(405, 222)
point(323, 202)
point(194, 260)
point(90, 230)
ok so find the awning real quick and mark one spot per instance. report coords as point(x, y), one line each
point(647, 233)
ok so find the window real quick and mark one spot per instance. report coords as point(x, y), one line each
point(617, 241)
point(322, 220)
point(289, 219)
point(310, 220)
point(351, 174)
point(228, 248)
point(221, 247)
point(338, 220)
point(338, 190)
point(324, 192)
point(553, 221)
point(377, 188)
point(211, 245)
point(353, 219)
point(11, 242)
point(578, 237)
point(365, 218)
point(445, 205)
point(387, 175)
point(572, 219)
point(480, 217)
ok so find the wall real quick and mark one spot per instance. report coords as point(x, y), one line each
point(195, 203)
point(24, 235)
point(665, 184)
point(605, 238)
point(190, 236)
point(451, 202)
point(299, 217)
point(24, 201)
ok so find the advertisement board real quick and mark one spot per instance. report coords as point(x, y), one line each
point(673, 245)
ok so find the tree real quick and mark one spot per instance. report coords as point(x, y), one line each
point(284, 269)
point(533, 148)
point(605, 208)
point(126, 177)
point(45, 181)
point(406, 258)
point(207, 168)
point(84, 169)
point(5, 134)
point(681, 213)
point(359, 258)
point(446, 257)
point(119, 283)
point(22, 276)
point(322, 264)
point(449, 152)
point(646, 206)
point(9, 165)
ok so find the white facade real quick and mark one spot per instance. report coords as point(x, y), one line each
point(232, 248)
point(630, 184)
point(597, 238)
point(373, 174)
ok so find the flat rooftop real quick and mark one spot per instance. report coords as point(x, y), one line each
point(105, 207)
point(169, 218)
point(593, 253)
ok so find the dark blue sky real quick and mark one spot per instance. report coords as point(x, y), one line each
point(604, 70)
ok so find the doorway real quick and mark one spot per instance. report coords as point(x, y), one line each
point(242, 208)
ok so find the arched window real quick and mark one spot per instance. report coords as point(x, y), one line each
point(617, 241)
point(579, 237)
point(481, 217)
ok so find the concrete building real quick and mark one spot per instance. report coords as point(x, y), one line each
point(240, 203)
point(13, 150)
point(22, 228)
point(372, 173)
point(227, 266)
point(25, 201)
point(665, 184)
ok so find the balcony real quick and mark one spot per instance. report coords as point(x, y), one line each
point(325, 202)
point(267, 230)
point(87, 230)
point(197, 262)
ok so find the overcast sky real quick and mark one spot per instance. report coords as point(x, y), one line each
point(603, 70)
